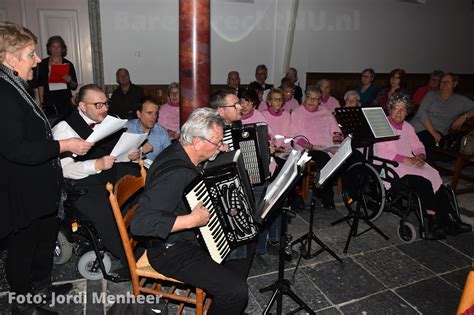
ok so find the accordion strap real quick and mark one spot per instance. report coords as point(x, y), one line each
point(170, 166)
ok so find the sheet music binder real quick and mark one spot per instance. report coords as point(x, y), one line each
point(334, 163)
point(366, 125)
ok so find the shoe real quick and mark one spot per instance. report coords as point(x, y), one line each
point(433, 231)
point(329, 205)
point(455, 228)
point(60, 289)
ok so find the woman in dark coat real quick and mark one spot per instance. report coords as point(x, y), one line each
point(32, 183)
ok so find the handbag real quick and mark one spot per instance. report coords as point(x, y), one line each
point(467, 144)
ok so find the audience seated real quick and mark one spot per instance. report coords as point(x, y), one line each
point(169, 112)
point(125, 97)
point(261, 74)
point(367, 89)
point(433, 85)
point(327, 101)
point(158, 139)
point(93, 170)
point(409, 152)
point(441, 110)
point(249, 115)
point(319, 126)
point(292, 74)
point(233, 82)
point(397, 84)
point(351, 99)
point(288, 87)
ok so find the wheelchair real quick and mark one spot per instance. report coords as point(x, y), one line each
point(78, 235)
point(363, 190)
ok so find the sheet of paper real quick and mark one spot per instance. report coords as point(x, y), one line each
point(107, 127)
point(57, 86)
point(336, 161)
point(127, 143)
point(378, 122)
point(57, 72)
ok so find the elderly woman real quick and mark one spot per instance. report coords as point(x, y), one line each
point(327, 101)
point(32, 181)
point(278, 118)
point(169, 112)
point(396, 84)
point(409, 152)
point(351, 99)
point(56, 94)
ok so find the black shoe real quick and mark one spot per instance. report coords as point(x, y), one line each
point(455, 228)
point(329, 205)
point(273, 248)
point(433, 231)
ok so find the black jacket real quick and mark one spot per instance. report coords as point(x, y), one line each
point(31, 176)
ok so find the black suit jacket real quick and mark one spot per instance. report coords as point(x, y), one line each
point(31, 177)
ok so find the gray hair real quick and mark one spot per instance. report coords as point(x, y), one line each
point(321, 82)
point(400, 97)
point(199, 124)
point(173, 85)
point(351, 93)
point(314, 89)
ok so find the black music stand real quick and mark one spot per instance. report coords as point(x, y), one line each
point(367, 126)
point(282, 286)
point(320, 180)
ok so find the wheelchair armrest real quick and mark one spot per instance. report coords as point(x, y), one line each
point(394, 163)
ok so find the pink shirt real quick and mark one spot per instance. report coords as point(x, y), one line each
point(407, 146)
point(279, 124)
point(262, 106)
point(319, 126)
point(291, 105)
point(331, 104)
point(169, 117)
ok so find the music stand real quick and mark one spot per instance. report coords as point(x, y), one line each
point(289, 176)
point(367, 126)
point(321, 178)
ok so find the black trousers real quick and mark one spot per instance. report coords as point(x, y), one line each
point(30, 254)
point(189, 263)
point(428, 141)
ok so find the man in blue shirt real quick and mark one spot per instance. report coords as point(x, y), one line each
point(147, 113)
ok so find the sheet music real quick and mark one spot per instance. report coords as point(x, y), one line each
point(336, 161)
point(284, 179)
point(127, 143)
point(378, 122)
point(107, 127)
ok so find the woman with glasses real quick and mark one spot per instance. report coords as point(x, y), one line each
point(52, 92)
point(367, 89)
point(278, 118)
point(32, 183)
point(169, 112)
point(396, 84)
point(415, 173)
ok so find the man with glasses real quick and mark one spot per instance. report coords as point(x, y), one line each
point(433, 85)
point(440, 111)
point(163, 218)
point(91, 171)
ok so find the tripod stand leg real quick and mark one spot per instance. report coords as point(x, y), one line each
point(324, 247)
point(271, 301)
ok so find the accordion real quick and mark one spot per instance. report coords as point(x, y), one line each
point(252, 140)
point(225, 190)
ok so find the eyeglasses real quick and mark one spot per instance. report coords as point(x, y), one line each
point(235, 105)
point(275, 99)
point(313, 99)
point(217, 145)
point(99, 105)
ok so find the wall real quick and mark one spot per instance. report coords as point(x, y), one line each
point(330, 36)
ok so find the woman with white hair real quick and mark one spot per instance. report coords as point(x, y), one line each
point(351, 99)
point(328, 101)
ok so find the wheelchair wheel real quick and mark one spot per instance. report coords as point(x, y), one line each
point(62, 250)
point(406, 232)
point(362, 186)
point(89, 267)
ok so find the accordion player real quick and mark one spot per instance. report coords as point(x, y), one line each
point(252, 140)
point(225, 190)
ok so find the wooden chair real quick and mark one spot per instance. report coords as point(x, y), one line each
point(146, 280)
point(467, 298)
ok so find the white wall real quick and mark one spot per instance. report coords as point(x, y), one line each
point(330, 36)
